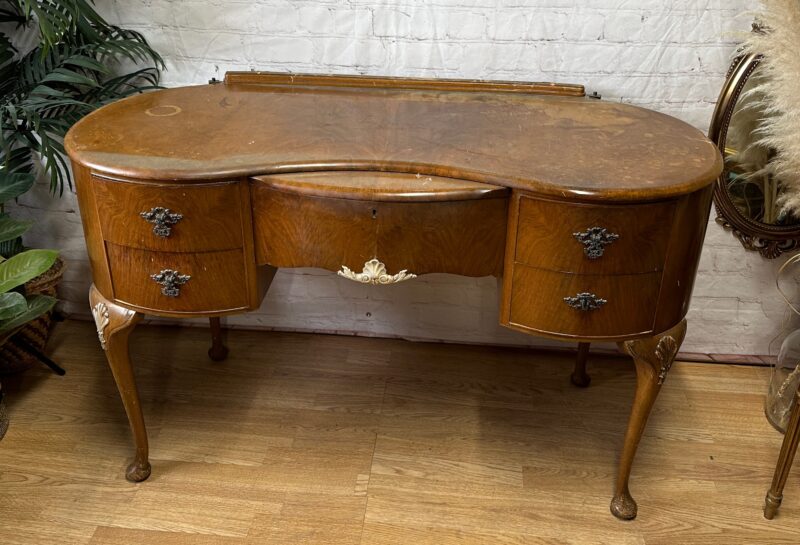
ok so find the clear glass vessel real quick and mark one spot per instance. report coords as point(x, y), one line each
point(783, 383)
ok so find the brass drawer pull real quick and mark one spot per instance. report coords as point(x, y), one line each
point(585, 301)
point(594, 240)
point(162, 219)
point(171, 281)
point(375, 273)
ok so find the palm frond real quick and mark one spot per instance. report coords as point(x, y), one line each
point(10, 12)
point(70, 73)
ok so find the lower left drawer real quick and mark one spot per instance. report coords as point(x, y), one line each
point(178, 282)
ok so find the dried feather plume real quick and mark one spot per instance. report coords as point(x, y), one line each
point(777, 96)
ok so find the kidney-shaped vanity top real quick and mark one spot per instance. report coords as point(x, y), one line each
point(542, 138)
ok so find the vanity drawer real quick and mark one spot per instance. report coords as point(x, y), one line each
point(296, 229)
point(210, 215)
point(217, 280)
point(537, 302)
point(635, 237)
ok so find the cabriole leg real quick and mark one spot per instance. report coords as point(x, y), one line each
point(653, 358)
point(785, 459)
point(218, 350)
point(114, 326)
point(580, 377)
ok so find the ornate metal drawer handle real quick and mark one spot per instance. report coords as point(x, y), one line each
point(162, 219)
point(585, 301)
point(375, 273)
point(594, 239)
point(171, 281)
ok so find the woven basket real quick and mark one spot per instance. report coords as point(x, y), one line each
point(14, 354)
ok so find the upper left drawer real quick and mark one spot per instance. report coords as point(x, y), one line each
point(170, 217)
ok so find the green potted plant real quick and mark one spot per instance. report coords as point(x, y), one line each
point(23, 265)
point(18, 308)
point(59, 60)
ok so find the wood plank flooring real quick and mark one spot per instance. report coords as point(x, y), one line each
point(342, 440)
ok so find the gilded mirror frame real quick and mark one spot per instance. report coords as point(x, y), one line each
point(768, 240)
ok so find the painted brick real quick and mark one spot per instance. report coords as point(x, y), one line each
point(428, 55)
point(349, 52)
point(264, 50)
point(508, 25)
point(330, 21)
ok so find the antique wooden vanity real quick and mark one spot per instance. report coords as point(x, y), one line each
point(592, 213)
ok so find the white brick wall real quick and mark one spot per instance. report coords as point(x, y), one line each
point(670, 56)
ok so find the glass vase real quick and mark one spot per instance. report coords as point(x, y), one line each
point(783, 382)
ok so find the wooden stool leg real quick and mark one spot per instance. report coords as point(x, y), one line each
point(114, 326)
point(580, 377)
point(218, 350)
point(785, 459)
point(653, 358)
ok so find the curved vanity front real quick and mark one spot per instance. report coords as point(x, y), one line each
point(340, 221)
point(593, 214)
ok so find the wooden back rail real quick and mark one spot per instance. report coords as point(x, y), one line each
point(592, 213)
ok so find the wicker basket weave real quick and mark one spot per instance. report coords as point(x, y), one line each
point(14, 355)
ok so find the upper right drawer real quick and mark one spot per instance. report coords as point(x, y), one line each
point(593, 239)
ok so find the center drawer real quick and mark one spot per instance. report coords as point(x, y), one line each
point(170, 217)
point(421, 224)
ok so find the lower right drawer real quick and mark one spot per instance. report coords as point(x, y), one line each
point(596, 305)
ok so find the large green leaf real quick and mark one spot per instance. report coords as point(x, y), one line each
point(11, 228)
point(88, 63)
point(12, 304)
point(16, 161)
point(64, 75)
point(36, 306)
point(14, 185)
point(25, 266)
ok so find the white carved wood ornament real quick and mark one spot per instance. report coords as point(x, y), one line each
point(375, 273)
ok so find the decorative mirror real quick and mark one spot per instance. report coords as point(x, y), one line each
point(746, 193)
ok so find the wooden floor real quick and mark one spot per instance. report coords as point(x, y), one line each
point(341, 440)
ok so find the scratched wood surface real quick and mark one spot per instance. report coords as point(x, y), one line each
point(341, 440)
point(554, 145)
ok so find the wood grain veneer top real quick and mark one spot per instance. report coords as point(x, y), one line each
point(552, 145)
point(381, 186)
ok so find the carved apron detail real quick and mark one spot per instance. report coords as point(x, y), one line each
point(375, 273)
point(101, 319)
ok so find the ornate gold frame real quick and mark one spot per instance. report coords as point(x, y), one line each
point(768, 240)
